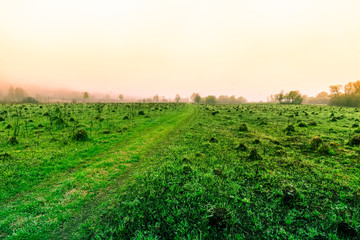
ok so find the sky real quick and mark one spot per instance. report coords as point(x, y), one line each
point(250, 48)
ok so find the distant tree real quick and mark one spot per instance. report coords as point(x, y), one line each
point(211, 99)
point(156, 98)
point(349, 88)
point(232, 99)
point(352, 88)
point(272, 98)
point(29, 100)
point(322, 95)
point(177, 98)
point(294, 97)
point(350, 97)
point(320, 98)
point(11, 94)
point(16, 94)
point(278, 97)
point(86, 95)
point(335, 90)
point(121, 97)
point(20, 93)
point(195, 97)
point(241, 100)
point(356, 86)
point(223, 99)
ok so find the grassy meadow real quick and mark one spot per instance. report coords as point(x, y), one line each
point(179, 171)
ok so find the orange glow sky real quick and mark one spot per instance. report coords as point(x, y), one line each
point(249, 48)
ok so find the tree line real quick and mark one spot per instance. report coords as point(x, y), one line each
point(347, 95)
point(18, 95)
point(223, 99)
point(295, 97)
point(292, 97)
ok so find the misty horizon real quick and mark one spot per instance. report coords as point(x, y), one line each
point(139, 48)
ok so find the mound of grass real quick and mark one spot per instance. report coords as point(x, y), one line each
point(80, 135)
point(243, 128)
point(355, 140)
point(290, 196)
point(290, 128)
point(254, 155)
point(344, 229)
point(219, 218)
point(315, 143)
point(312, 123)
point(302, 124)
point(241, 147)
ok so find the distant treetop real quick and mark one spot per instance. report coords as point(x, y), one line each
point(292, 97)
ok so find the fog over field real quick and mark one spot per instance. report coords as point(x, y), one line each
point(141, 48)
point(48, 93)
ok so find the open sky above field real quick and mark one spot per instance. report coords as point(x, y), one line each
point(249, 48)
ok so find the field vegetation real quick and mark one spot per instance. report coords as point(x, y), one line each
point(179, 171)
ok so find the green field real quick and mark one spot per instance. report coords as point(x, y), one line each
point(179, 171)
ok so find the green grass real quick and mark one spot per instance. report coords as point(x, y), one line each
point(183, 173)
point(43, 195)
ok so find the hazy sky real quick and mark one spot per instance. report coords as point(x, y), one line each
point(249, 48)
